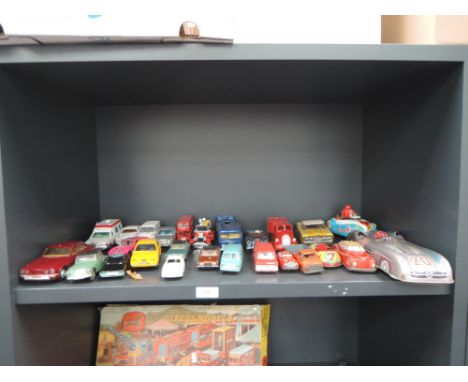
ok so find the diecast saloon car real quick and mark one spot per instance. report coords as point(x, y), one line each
point(173, 267)
point(232, 258)
point(403, 260)
point(166, 236)
point(54, 261)
point(87, 266)
point(149, 229)
point(179, 247)
point(146, 254)
point(115, 265)
point(126, 233)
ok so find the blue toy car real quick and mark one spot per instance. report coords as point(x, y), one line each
point(228, 229)
point(232, 258)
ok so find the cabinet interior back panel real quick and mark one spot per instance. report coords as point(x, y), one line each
point(250, 160)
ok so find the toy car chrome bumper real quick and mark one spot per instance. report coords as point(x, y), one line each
point(266, 268)
point(41, 277)
point(318, 240)
point(109, 274)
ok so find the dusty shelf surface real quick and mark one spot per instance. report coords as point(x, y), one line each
point(214, 285)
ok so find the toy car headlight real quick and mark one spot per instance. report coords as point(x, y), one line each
point(354, 263)
point(24, 272)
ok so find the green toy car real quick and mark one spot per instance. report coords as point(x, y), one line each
point(87, 266)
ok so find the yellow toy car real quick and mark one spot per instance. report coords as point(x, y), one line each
point(314, 232)
point(146, 254)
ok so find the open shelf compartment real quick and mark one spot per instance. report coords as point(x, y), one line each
point(153, 133)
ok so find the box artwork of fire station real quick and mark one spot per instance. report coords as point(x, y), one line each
point(198, 335)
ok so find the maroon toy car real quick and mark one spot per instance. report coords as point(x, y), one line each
point(54, 261)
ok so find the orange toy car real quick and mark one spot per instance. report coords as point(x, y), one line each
point(308, 261)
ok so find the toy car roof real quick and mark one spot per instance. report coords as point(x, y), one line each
point(65, 244)
point(108, 223)
point(146, 240)
point(151, 222)
point(312, 222)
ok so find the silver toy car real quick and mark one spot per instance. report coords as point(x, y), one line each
point(403, 260)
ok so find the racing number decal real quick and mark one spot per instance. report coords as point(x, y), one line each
point(421, 260)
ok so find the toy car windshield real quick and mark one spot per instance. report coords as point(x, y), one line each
point(129, 230)
point(56, 252)
point(115, 259)
point(146, 247)
point(266, 255)
point(230, 255)
point(166, 232)
point(99, 235)
point(202, 228)
point(173, 260)
point(147, 229)
point(86, 257)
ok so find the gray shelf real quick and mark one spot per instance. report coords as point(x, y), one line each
point(246, 285)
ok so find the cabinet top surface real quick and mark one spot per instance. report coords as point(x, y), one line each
point(247, 52)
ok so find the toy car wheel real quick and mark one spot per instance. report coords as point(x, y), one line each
point(63, 273)
point(93, 275)
point(385, 266)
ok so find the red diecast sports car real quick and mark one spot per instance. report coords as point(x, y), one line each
point(286, 261)
point(54, 261)
point(354, 257)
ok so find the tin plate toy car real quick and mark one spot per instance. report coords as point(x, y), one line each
point(330, 257)
point(403, 260)
point(281, 232)
point(347, 221)
point(314, 231)
point(286, 261)
point(354, 257)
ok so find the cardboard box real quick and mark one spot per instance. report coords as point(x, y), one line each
point(411, 29)
point(184, 335)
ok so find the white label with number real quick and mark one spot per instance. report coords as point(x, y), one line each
point(206, 292)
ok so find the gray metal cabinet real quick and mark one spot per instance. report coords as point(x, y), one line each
point(144, 131)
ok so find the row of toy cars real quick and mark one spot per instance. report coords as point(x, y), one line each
point(364, 250)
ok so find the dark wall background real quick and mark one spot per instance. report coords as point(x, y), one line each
point(253, 161)
point(48, 148)
point(411, 183)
